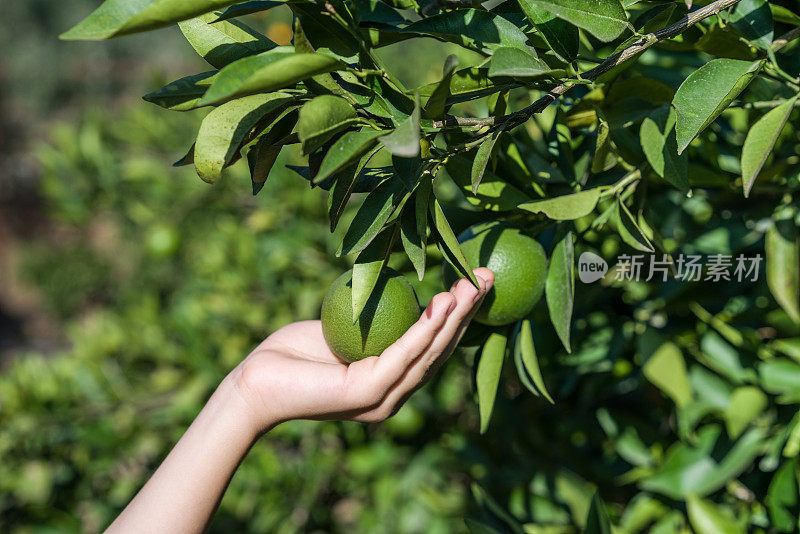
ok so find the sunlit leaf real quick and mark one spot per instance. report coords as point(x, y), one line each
point(761, 140)
point(605, 19)
point(321, 118)
point(560, 288)
point(783, 265)
point(121, 17)
point(487, 376)
point(706, 93)
point(226, 127)
point(223, 42)
point(565, 207)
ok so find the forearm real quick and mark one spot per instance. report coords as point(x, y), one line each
point(185, 490)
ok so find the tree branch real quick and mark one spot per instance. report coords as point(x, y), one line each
point(784, 39)
point(643, 43)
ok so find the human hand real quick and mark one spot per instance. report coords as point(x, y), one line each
point(294, 375)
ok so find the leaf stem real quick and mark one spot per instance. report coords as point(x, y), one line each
point(631, 177)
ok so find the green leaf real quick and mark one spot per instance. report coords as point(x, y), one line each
point(788, 346)
point(706, 93)
point(565, 207)
point(784, 15)
point(604, 157)
point(516, 63)
point(487, 376)
point(469, 82)
point(472, 28)
point(436, 104)
point(323, 32)
point(493, 193)
point(779, 376)
point(782, 497)
point(379, 205)
point(482, 157)
point(525, 354)
point(321, 118)
point(448, 243)
point(688, 470)
point(377, 11)
point(560, 288)
point(414, 227)
point(657, 136)
point(246, 8)
point(404, 140)
point(666, 370)
point(707, 517)
point(597, 521)
point(783, 265)
point(562, 37)
point(720, 356)
point(187, 159)
point(746, 404)
point(181, 95)
point(223, 42)
point(345, 184)
point(761, 140)
point(654, 18)
point(265, 72)
point(725, 42)
point(753, 19)
point(122, 17)
point(629, 230)
point(225, 128)
point(367, 268)
point(476, 527)
point(488, 503)
point(347, 149)
point(605, 19)
point(260, 158)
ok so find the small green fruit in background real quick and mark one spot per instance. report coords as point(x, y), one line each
point(519, 264)
point(390, 311)
point(162, 240)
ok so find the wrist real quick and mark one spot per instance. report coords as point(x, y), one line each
point(249, 403)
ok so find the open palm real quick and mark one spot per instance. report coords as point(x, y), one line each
point(294, 375)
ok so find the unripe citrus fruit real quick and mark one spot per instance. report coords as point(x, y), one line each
point(518, 262)
point(391, 310)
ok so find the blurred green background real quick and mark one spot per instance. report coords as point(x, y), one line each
point(131, 287)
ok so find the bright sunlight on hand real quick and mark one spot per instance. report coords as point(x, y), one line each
point(294, 375)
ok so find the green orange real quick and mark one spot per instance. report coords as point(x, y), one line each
point(391, 310)
point(519, 264)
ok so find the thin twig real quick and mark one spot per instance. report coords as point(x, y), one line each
point(643, 43)
point(784, 39)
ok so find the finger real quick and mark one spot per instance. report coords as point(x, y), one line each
point(369, 380)
point(402, 353)
point(468, 300)
point(488, 277)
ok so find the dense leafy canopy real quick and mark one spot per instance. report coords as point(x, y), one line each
point(650, 156)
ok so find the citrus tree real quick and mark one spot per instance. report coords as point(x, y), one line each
point(605, 126)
